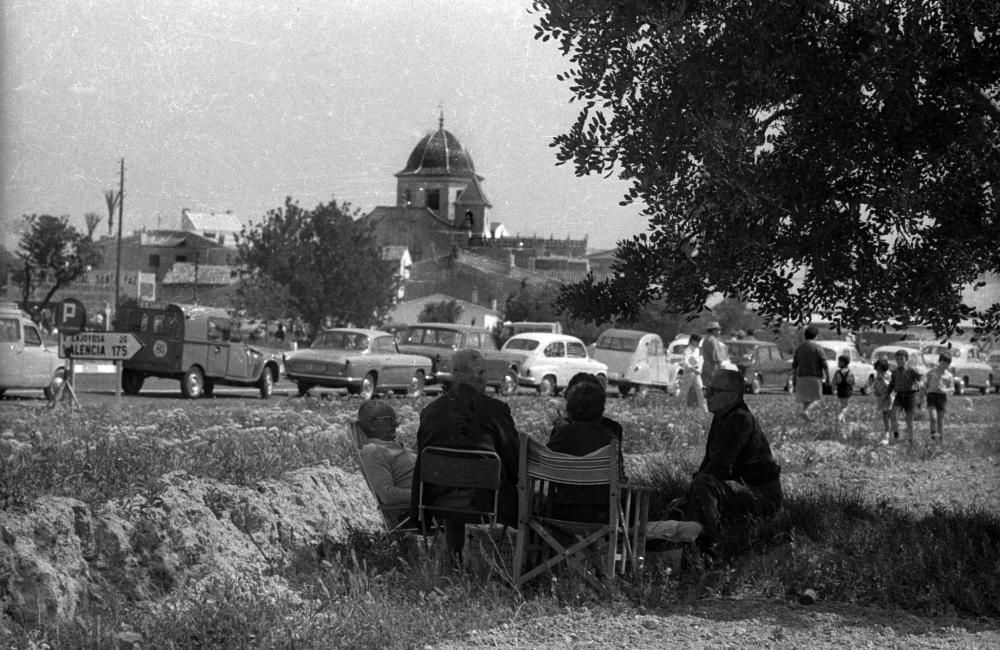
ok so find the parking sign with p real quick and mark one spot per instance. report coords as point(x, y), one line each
point(71, 316)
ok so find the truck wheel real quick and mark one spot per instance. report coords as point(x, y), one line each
point(368, 386)
point(303, 388)
point(266, 383)
point(132, 381)
point(548, 386)
point(417, 383)
point(508, 384)
point(193, 383)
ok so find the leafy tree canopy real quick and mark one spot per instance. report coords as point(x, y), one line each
point(831, 159)
point(325, 261)
point(446, 311)
point(51, 250)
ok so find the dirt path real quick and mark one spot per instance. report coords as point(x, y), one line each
point(736, 624)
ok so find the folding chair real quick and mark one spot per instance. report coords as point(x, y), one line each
point(396, 518)
point(465, 470)
point(542, 537)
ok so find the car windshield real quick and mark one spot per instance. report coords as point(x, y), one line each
point(521, 344)
point(739, 350)
point(611, 342)
point(9, 330)
point(334, 340)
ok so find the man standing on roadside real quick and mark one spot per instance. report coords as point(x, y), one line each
point(810, 373)
point(713, 352)
point(466, 418)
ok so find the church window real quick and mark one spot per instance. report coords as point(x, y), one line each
point(434, 199)
point(407, 197)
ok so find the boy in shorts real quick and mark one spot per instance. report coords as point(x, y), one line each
point(905, 382)
point(939, 383)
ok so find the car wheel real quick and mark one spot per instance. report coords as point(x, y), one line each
point(548, 386)
point(266, 383)
point(368, 386)
point(132, 381)
point(790, 385)
point(508, 384)
point(982, 390)
point(193, 383)
point(303, 388)
point(756, 385)
point(959, 386)
point(417, 383)
point(52, 390)
point(624, 389)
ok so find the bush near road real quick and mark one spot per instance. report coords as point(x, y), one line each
point(884, 527)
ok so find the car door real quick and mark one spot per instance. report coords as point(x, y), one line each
point(11, 351)
point(392, 370)
point(576, 360)
point(217, 361)
point(36, 358)
point(555, 358)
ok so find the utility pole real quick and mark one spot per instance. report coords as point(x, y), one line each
point(118, 258)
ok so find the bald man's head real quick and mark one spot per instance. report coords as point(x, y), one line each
point(468, 367)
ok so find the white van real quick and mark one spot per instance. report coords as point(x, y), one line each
point(26, 360)
point(637, 361)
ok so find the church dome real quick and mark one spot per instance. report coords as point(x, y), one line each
point(439, 153)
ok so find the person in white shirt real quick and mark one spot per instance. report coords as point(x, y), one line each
point(940, 382)
point(691, 383)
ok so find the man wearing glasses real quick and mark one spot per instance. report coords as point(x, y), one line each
point(389, 464)
point(738, 479)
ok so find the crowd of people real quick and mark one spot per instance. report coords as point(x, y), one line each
point(738, 477)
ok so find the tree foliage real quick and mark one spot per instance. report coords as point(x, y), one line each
point(446, 311)
point(325, 261)
point(825, 159)
point(52, 251)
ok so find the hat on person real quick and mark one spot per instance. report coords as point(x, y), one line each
point(725, 379)
point(372, 410)
point(713, 325)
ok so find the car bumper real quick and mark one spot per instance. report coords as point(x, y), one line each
point(333, 381)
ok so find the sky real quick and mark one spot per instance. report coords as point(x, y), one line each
point(222, 105)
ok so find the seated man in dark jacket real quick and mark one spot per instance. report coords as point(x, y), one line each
point(466, 418)
point(738, 477)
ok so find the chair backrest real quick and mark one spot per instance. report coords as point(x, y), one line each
point(597, 468)
point(465, 469)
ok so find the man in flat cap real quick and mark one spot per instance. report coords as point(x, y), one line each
point(738, 477)
point(387, 463)
point(713, 352)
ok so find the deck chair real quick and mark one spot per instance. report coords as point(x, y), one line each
point(457, 468)
point(395, 519)
point(542, 538)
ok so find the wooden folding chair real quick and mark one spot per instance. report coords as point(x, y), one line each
point(464, 470)
point(396, 519)
point(542, 537)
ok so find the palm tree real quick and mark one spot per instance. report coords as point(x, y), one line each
point(92, 219)
point(112, 197)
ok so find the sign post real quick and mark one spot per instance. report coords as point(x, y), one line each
point(71, 317)
point(105, 346)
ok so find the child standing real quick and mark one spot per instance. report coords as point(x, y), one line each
point(843, 384)
point(883, 397)
point(905, 382)
point(939, 383)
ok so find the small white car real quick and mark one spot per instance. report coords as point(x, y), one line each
point(551, 360)
point(968, 364)
point(26, 360)
point(864, 372)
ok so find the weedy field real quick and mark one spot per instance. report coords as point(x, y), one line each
point(904, 527)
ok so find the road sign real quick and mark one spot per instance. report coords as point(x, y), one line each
point(70, 316)
point(109, 346)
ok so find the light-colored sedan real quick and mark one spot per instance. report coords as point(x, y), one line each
point(26, 360)
point(551, 360)
point(363, 361)
point(968, 365)
point(637, 361)
point(864, 373)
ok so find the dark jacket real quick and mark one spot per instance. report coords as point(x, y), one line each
point(464, 418)
point(809, 360)
point(584, 502)
point(737, 449)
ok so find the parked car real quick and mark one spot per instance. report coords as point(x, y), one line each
point(363, 361)
point(26, 359)
point(199, 346)
point(993, 358)
point(675, 350)
point(968, 364)
point(637, 361)
point(551, 360)
point(864, 373)
point(761, 364)
point(916, 360)
point(509, 329)
point(439, 342)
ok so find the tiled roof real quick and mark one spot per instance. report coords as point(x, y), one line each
point(185, 272)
